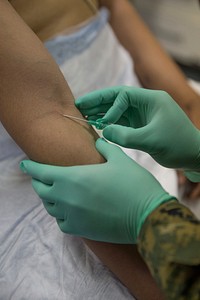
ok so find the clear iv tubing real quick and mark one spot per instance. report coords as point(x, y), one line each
point(98, 125)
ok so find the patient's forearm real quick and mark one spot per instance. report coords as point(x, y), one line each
point(33, 97)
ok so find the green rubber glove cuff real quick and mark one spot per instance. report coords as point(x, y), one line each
point(153, 205)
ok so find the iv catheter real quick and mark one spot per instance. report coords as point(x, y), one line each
point(98, 125)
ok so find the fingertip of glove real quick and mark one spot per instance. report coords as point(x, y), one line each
point(107, 131)
point(22, 166)
point(100, 141)
point(77, 102)
point(102, 145)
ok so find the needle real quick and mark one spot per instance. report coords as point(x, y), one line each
point(76, 118)
point(98, 125)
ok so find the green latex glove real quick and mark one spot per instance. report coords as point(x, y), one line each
point(105, 202)
point(152, 122)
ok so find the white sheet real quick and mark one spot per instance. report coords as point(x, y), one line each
point(37, 261)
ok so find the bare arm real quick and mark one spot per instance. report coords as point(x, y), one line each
point(154, 68)
point(33, 96)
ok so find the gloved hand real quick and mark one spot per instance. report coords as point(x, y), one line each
point(153, 123)
point(105, 202)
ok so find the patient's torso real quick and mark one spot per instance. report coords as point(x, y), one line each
point(48, 18)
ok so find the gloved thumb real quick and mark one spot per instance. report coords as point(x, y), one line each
point(38, 171)
point(127, 137)
point(108, 150)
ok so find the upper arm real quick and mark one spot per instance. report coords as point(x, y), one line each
point(34, 95)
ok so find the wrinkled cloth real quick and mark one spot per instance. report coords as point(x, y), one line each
point(37, 260)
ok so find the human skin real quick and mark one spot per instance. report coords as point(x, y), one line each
point(33, 97)
point(48, 18)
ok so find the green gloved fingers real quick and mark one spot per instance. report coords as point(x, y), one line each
point(97, 98)
point(42, 182)
point(156, 127)
point(153, 121)
point(127, 137)
point(106, 202)
point(38, 171)
point(97, 103)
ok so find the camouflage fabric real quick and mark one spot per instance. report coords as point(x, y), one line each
point(169, 242)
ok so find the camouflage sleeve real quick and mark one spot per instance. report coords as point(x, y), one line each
point(169, 243)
